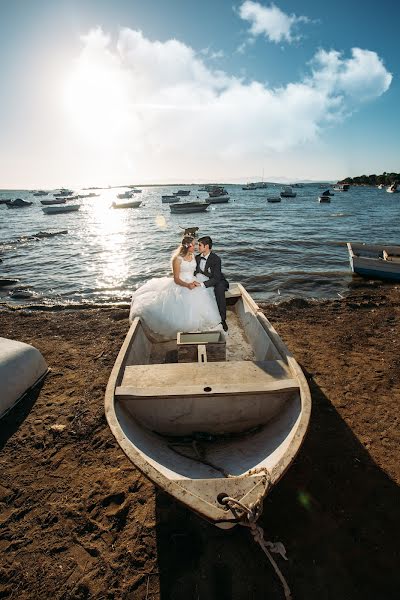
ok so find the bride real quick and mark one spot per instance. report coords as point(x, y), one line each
point(168, 305)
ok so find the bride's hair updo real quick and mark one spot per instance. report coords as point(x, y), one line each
point(183, 248)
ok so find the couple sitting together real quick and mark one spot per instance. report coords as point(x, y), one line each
point(194, 300)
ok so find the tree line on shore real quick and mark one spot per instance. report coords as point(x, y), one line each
point(385, 179)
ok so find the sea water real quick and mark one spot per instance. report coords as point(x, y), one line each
point(295, 248)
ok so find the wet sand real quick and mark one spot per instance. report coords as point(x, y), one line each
point(78, 521)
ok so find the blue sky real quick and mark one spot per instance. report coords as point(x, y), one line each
point(105, 92)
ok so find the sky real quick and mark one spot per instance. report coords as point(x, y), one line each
point(109, 92)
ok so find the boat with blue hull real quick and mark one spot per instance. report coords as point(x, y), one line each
point(375, 261)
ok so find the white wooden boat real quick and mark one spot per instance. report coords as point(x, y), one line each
point(393, 189)
point(21, 368)
point(129, 204)
point(375, 260)
point(60, 208)
point(208, 429)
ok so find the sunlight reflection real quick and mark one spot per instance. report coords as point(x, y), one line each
point(111, 230)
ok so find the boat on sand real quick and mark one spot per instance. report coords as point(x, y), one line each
point(21, 367)
point(207, 417)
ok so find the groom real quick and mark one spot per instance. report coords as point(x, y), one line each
point(209, 264)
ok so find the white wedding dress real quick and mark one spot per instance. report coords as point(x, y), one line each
point(167, 307)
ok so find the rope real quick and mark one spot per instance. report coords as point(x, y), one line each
point(248, 518)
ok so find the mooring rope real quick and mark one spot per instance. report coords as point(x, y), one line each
point(249, 519)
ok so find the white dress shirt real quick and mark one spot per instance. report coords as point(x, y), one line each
point(202, 264)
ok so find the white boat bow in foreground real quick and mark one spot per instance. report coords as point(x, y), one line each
point(211, 428)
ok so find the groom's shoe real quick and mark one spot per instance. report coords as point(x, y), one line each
point(224, 325)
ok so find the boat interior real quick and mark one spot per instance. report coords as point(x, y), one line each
point(211, 403)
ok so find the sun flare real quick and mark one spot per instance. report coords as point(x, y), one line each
point(96, 100)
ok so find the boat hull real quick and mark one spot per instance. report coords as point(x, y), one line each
point(27, 362)
point(54, 210)
point(374, 261)
point(131, 204)
point(188, 207)
point(247, 419)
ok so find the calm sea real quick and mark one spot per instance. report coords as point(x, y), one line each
point(278, 251)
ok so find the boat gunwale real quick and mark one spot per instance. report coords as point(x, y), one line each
point(213, 512)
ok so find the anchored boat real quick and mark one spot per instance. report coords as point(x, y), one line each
point(188, 207)
point(375, 260)
point(208, 417)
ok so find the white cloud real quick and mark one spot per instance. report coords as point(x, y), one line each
point(270, 21)
point(179, 116)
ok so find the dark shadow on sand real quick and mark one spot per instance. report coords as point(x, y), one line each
point(12, 420)
point(335, 511)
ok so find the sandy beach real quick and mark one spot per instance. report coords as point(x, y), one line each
point(77, 521)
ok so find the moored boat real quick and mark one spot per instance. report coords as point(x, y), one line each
point(18, 203)
point(274, 199)
point(287, 192)
point(324, 199)
point(341, 187)
point(40, 193)
point(60, 208)
point(393, 189)
point(181, 193)
point(375, 260)
point(129, 204)
point(127, 194)
point(226, 420)
point(55, 201)
point(218, 195)
point(188, 207)
point(169, 198)
point(21, 367)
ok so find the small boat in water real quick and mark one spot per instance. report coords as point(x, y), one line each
point(181, 193)
point(274, 199)
point(375, 261)
point(129, 204)
point(40, 193)
point(324, 199)
point(341, 187)
point(18, 203)
point(127, 194)
point(60, 208)
point(226, 420)
point(188, 207)
point(55, 201)
point(169, 199)
point(21, 367)
point(393, 189)
point(287, 192)
point(218, 195)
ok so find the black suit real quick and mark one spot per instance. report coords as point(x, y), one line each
point(216, 279)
